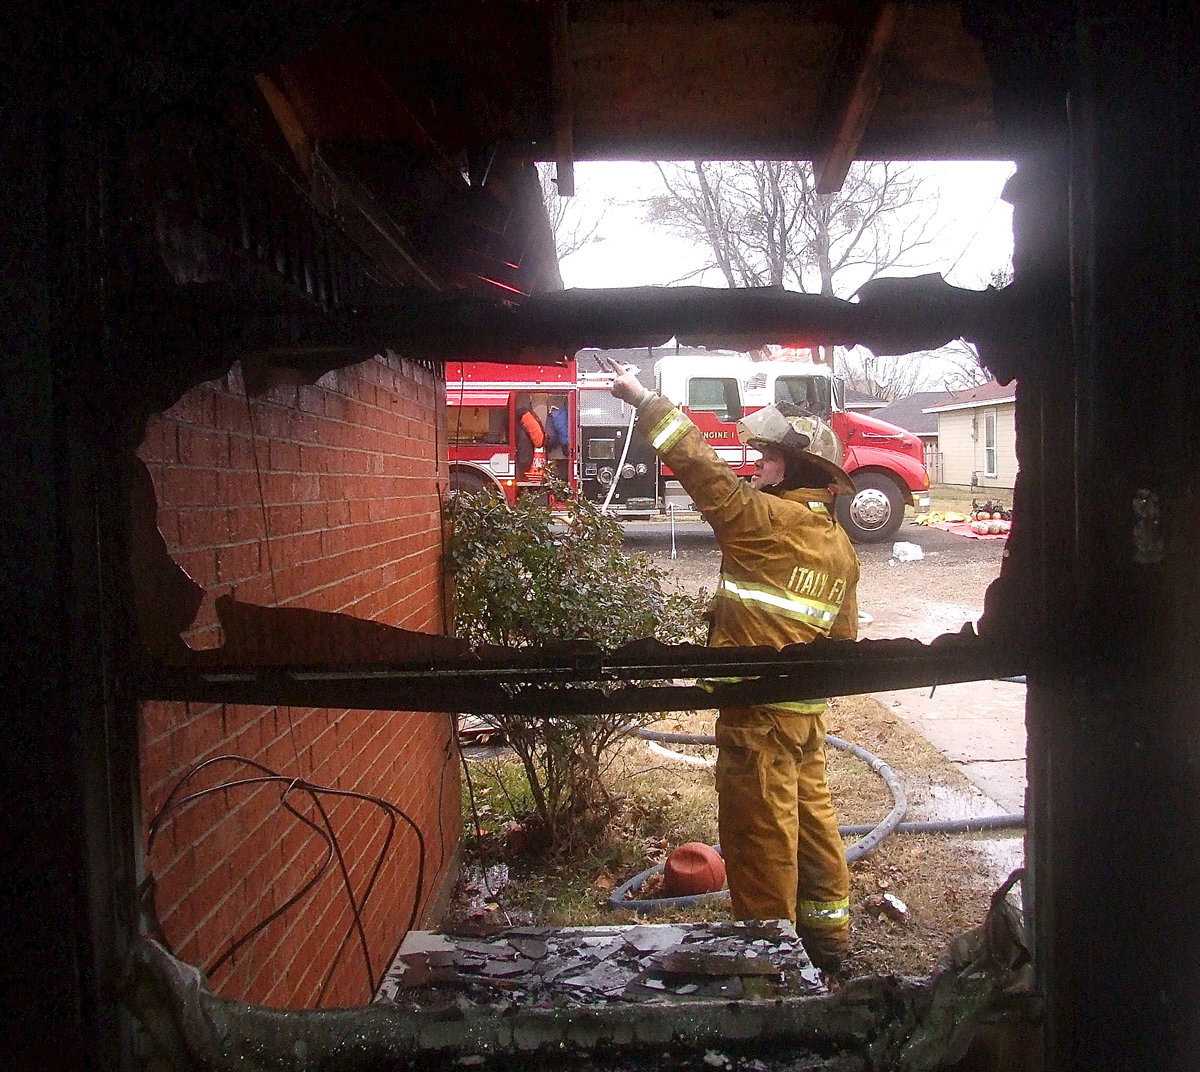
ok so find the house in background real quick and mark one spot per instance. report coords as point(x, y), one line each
point(861, 402)
point(912, 415)
point(977, 436)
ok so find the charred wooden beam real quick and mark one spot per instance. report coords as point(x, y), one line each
point(892, 316)
point(878, 1018)
point(564, 103)
point(852, 98)
point(581, 679)
point(363, 221)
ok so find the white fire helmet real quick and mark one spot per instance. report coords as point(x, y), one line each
point(789, 429)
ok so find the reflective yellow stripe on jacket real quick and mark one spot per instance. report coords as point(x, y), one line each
point(669, 431)
point(800, 707)
point(820, 615)
point(789, 569)
point(767, 597)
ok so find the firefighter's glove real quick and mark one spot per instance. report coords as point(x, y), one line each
point(625, 385)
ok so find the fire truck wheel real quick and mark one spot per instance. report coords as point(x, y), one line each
point(466, 482)
point(875, 511)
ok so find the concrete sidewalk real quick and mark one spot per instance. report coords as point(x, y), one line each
point(979, 726)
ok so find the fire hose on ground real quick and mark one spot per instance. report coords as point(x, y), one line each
point(872, 835)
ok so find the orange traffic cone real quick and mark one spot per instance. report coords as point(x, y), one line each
point(537, 471)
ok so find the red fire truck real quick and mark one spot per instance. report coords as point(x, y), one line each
point(484, 404)
point(610, 464)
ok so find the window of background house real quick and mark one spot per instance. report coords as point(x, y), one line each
point(989, 443)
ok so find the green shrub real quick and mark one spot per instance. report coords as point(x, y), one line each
point(527, 576)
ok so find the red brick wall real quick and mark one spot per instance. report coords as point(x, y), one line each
point(342, 477)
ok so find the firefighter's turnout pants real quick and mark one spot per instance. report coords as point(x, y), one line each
point(778, 829)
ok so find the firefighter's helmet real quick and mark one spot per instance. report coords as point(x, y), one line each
point(795, 432)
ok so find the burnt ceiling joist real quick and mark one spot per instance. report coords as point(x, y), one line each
point(435, 184)
point(454, 83)
point(404, 138)
point(410, 131)
point(561, 88)
point(854, 91)
point(670, 79)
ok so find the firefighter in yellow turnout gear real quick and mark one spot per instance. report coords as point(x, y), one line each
point(788, 575)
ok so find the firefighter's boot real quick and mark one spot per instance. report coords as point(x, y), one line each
point(827, 949)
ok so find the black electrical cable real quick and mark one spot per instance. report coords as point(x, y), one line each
point(447, 759)
point(267, 776)
point(874, 833)
point(356, 925)
point(453, 742)
point(320, 870)
point(466, 768)
point(462, 759)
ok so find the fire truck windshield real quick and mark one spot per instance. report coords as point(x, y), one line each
point(811, 392)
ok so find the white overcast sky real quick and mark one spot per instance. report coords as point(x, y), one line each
point(974, 223)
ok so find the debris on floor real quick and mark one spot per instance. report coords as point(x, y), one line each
point(887, 904)
point(613, 999)
point(553, 967)
point(907, 552)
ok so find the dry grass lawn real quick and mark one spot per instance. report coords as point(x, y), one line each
point(942, 879)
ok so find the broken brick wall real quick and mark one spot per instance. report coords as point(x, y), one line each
point(323, 497)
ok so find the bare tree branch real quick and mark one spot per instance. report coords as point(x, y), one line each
point(572, 230)
point(954, 367)
point(889, 378)
point(765, 224)
point(963, 368)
